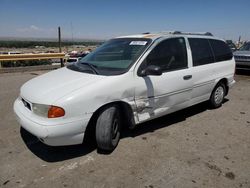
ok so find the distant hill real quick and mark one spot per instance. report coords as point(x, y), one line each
point(49, 39)
point(12, 42)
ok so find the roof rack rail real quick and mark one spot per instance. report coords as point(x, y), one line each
point(193, 33)
point(187, 33)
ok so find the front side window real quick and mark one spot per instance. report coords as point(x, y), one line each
point(112, 58)
point(170, 54)
point(221, 50)
point(201, 51)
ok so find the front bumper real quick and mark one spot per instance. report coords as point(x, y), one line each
point(68, 133)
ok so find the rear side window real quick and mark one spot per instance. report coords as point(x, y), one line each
point(201, 51)
point(221, 50)
point(170, 55)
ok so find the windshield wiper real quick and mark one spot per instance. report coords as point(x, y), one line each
point(93, 67)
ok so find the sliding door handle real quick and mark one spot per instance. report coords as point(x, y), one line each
point(187, 77)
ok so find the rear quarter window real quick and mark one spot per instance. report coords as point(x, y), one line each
point(221, 50)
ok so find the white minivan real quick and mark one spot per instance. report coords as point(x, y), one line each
point(126, 81)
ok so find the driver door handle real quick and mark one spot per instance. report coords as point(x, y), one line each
point(187, 77)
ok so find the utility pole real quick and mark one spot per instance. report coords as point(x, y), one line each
point(60, 45)
point(71, 26)
point(239, 41)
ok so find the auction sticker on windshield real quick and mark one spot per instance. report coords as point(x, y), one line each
point(142, 43)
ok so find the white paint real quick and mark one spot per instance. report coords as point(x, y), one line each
point(87, 160)
point(74, 165)
point(70, 166)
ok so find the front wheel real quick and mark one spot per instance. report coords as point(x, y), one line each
point(108, 127)
point(218, 95)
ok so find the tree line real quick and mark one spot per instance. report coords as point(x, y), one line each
point(24, 63)
point(32, 44)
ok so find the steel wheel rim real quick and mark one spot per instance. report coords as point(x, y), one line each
point(219, 95)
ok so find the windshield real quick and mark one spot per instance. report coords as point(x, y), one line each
point(114, 57)
point(245, 47)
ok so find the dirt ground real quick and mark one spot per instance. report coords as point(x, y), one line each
point(196, 147)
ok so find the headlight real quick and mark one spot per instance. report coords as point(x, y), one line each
point(41, 109)
point(48, 111)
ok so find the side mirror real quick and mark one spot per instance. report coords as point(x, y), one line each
point(151, 70)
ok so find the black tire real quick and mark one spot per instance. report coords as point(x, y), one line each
point(217, 96)
point(108, 128)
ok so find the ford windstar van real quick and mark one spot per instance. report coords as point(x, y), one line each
point(126, 81)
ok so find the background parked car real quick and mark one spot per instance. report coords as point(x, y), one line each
point(242, 57)
point(71, 60)
point(75, 57)
point(231, 45)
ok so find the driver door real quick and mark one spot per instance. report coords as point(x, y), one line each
point(158, 95)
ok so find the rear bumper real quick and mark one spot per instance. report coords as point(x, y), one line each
point(69, 133)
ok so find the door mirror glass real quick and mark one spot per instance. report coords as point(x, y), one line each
point(151, 70)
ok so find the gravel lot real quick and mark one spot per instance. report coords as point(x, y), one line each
point(196, 147)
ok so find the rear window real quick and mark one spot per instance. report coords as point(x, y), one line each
point(221, 50)
point(201, 51)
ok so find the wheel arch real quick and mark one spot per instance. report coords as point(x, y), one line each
point(126, 112)
point(225, 82)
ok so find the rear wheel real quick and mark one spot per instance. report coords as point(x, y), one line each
point(218, 95)
point(108, 127)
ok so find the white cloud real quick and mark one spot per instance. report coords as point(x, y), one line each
point(33, 27)
point(36, 31)
point(28, 29)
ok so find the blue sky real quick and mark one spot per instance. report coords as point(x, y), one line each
point(105, 19)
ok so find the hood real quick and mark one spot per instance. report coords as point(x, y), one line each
point(244, 53)
point(49, 87)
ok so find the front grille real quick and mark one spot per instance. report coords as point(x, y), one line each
point(243, 67)
point(26, 104)
point(241, 58)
